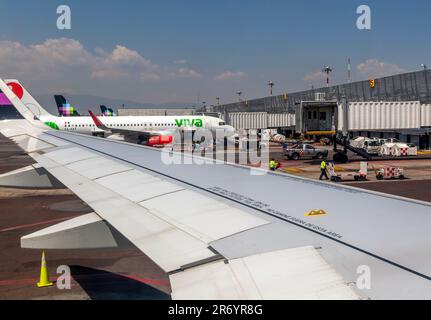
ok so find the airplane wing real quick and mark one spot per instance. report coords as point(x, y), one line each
point(133, 135)
point(221, 231)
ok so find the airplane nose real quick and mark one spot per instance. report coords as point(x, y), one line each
point(229, 131)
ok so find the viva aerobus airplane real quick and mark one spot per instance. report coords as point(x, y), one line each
point(148, 130)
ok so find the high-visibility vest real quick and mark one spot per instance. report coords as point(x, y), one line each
point(272, 164)
point(323, 165)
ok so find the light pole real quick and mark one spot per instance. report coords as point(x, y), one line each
point(424, 66)
point(239, 93)
point(218, 101)
point(327, 70)
point(270, 85)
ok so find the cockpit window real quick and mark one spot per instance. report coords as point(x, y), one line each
point(222, 123)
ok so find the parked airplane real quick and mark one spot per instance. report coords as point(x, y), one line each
point(107, 112)
point(65, 109)
point(220, 232)
point(140, 129)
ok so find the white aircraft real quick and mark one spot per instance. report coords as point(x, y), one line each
point(219, 231)
point(148, 130)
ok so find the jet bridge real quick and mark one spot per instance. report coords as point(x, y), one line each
point(317, 117)
point(328, 118)
point(339, 118)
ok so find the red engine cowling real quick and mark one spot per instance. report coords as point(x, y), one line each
point(159, 140)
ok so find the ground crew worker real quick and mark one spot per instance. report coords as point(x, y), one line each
point(323, 170)
point(272, 165)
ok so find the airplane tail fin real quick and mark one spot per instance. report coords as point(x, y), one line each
point(26, 98)
point(104, 110)
point(12, 106)
point(7, 109)
point(65, 109)
point(107, 112)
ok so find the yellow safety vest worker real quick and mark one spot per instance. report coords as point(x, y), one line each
point(272, 164)
point(323, 165)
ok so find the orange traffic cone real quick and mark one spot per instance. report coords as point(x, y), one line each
point(44, 277)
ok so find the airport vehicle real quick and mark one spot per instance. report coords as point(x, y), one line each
point(390, 173)
point(219, 230)
point(372, 147)
point(325, 141)
point(360, 175)
point(140, 129)
point(305, 151)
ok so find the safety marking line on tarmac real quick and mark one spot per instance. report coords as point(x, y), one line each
point(24, 226)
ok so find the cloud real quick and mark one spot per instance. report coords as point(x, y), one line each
point(229, 75)
point(186, 73)
point(373, 68)
point(180, 61)
point(315, 76)
point(41, 59)
point(123, 63)
point(64, 56)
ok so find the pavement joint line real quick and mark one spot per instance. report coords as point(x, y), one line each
point(24, 226)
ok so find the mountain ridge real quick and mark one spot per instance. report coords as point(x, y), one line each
point(83, 103)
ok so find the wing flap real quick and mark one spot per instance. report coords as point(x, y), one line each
point(292, 274)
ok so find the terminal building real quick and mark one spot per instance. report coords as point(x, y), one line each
point(397, 106)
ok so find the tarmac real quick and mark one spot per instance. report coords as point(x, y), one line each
point(115, 273)
point(96, 274)
point(414, 169)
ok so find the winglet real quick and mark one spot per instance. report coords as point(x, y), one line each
point(97, 122)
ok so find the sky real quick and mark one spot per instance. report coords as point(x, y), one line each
point(194, 51)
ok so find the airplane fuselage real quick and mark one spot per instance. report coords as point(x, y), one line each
point(136, 123)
